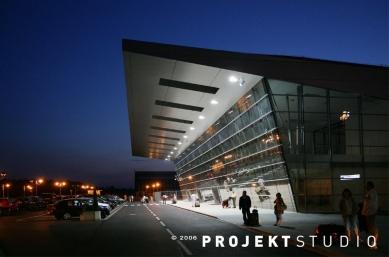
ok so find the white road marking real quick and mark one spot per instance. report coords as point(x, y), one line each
point(157, 218)
point(162, 224)
point(180, 243)
point(32, 217)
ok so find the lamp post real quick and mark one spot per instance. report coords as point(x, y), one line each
point(37, 182)
point(7, 185)
point(30, 188)
point(60, 185)
point(2, 177)
point(75, 189)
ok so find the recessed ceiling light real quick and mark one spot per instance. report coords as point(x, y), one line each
point(179, 143)
point(175, 148)
point(168, 156)
point(185, 136)
point(233, 79)
point(191, 128)
point(214, 102)
point(171, 152)
point(201, 117)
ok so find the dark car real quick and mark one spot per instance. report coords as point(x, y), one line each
point(26, 203)
point(8, 205)
point(49, 197)
point(39, 201)
point(73, 207)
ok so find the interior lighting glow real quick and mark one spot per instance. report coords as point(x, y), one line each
point(214, 102)
point(185, 136)
point(233, 79)
point(168, 156)
point(248, 96)
point(179, 143)
point(171, 152)
point(175, 148)
point(201, 117)
point(191, 128)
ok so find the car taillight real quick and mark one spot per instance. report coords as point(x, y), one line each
point(317, 230)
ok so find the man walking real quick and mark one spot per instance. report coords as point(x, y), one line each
point(370, 208)
point(245, 205)
point(193, 197)
point(233, 196)
point(164, 198)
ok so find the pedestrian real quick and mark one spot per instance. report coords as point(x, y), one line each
point(348, 210)
point(125, 197)
point(233, 196)
point(245, 205)
point(164, 198)
point(193, 197)
point(174, 198)
point(278, 209)
point(151, 198)
point(132, 198)
point(370, 208)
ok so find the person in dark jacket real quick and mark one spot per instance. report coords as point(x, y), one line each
point(245, 205)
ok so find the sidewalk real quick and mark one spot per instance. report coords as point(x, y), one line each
point(294, 225)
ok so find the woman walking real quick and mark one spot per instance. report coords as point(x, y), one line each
point(348, 209)
point(278, 209)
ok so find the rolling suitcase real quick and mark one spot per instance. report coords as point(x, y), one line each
point(327, 231)
point(254, 218)
point(197, 204)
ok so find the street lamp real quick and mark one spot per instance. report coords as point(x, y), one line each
point(37, 182)
point(60, 185)
point(30, 188)
point(86, 188)
point(7, 185)
point(2, 177)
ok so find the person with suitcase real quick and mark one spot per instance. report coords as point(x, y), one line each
point(245, 205)
point(193, 197)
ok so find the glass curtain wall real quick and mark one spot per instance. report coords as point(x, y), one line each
point(240, 151)
point(331, 140)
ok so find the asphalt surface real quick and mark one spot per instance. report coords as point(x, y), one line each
point(136, 230)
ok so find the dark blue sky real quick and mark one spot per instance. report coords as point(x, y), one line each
point(63, 108)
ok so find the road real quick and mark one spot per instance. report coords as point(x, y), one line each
point(134, 230)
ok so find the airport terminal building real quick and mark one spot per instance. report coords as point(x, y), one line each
point(230, 121)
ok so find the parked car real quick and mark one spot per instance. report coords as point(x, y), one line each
point(49, 197)
point(73, 207)
point(8, 205)
point(25, 202)
point(39, 201)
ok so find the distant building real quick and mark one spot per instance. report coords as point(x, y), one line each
point(303, 127)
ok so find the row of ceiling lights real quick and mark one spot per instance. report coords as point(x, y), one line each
point(232, 79)
point(191, 128)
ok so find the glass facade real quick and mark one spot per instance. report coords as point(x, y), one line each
point(294, 139)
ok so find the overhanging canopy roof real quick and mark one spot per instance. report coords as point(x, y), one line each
point(169, 87)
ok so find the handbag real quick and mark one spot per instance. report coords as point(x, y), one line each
point(281, 207)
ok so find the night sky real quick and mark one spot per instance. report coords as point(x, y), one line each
point(63, 107)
